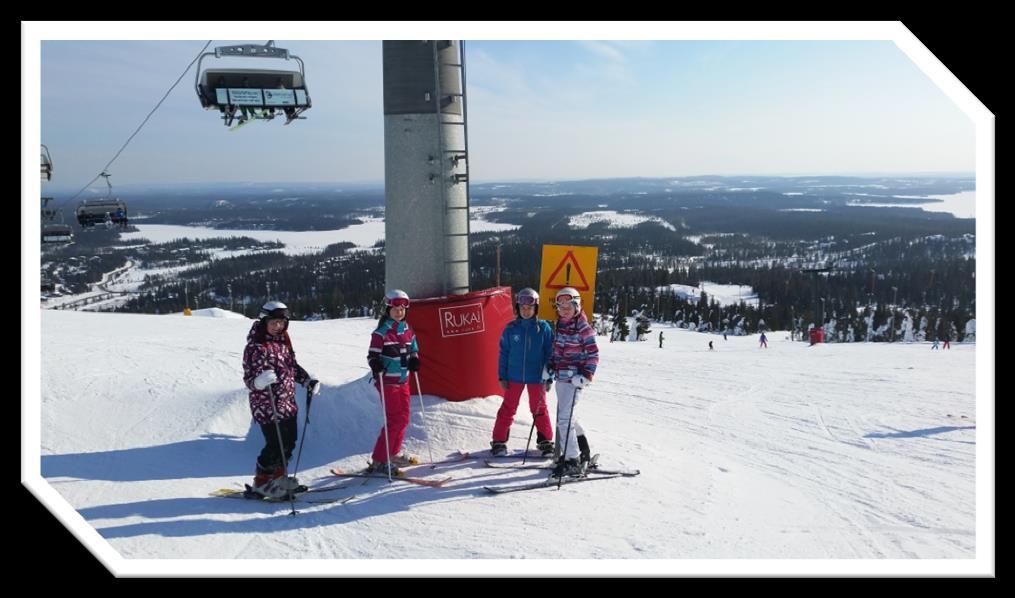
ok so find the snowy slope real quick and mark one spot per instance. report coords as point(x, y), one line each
point(846, 451)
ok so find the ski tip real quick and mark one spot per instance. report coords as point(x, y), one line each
point(225, 492)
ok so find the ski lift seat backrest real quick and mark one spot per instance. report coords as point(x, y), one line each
point(252, 87)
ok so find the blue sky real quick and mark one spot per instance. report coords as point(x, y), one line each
point(538, 110)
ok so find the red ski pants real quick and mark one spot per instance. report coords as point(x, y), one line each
point(396, 408)
point(537, 405)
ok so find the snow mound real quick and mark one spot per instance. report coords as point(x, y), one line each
point(216, 312)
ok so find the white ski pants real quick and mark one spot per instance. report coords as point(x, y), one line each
point(567, 400)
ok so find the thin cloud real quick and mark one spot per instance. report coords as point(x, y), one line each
point(604, 50)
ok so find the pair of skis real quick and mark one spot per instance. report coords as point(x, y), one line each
point(592, 472)
point(431, 483)
point(428, 482)
point(299, 495)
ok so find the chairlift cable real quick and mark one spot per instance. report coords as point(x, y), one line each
point(145, 121)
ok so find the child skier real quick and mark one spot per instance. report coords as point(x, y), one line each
point(525, 348)
point(271, 372)
point(393, 354)
point(574, 362)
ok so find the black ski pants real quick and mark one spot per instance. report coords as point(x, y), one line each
point(269, 459)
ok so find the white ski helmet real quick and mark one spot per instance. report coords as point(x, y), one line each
point(396, 298)
point(527, 296)
point(569, 294)
point(274, 310)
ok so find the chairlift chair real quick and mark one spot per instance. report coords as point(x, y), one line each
point(47, 164)
point(53, 231)
point(57, 233)
point(257, 93)
point(93, 211)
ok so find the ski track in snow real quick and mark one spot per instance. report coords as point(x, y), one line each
point(834, 451)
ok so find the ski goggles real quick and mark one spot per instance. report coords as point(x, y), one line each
point(527, 300)
point(398, 302)
point(276, 314)
point(564, 299)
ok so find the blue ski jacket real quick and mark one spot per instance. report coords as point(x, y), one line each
point(525, 349)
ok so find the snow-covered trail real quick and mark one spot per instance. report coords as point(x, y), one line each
point(872, 453)
point(828, 452)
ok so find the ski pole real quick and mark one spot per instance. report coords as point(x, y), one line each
point(384, 409)
point(422, 413)
point(306, 424)
point(526, 455)
point(567, 437)
point(281, 449)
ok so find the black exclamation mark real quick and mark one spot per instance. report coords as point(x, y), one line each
point(567, 275)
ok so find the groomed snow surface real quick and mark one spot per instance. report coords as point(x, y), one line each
point(839, 451)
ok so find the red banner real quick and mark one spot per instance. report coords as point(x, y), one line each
point(459, 338)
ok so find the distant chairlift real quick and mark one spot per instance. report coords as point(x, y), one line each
point(109, 209)
point(256, 93)
point(47, 164)
point(57, 232)
point(53, 231)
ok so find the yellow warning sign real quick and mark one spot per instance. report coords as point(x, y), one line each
point(567, 266)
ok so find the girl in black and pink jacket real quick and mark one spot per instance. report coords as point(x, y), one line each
point(270, 372)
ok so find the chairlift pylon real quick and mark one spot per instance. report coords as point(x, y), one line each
point(255, 93)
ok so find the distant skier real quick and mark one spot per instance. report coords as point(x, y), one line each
point(934, 346)
point(574, 362)
point(710, 347)
point(947, 343)
point(724, 336)
point(660, 339)
point(764, 341)
point(393, 354)
point(525, 348)
point(271, 372)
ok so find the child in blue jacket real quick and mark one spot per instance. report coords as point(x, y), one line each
point(525, 348)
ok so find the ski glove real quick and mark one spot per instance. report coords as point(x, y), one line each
point(413, 364)
point(503, 385)
point(547, 374)
point(264, 379)
point(548, 384)
point(314, 386)
point(376, 367)
point(580, 381)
